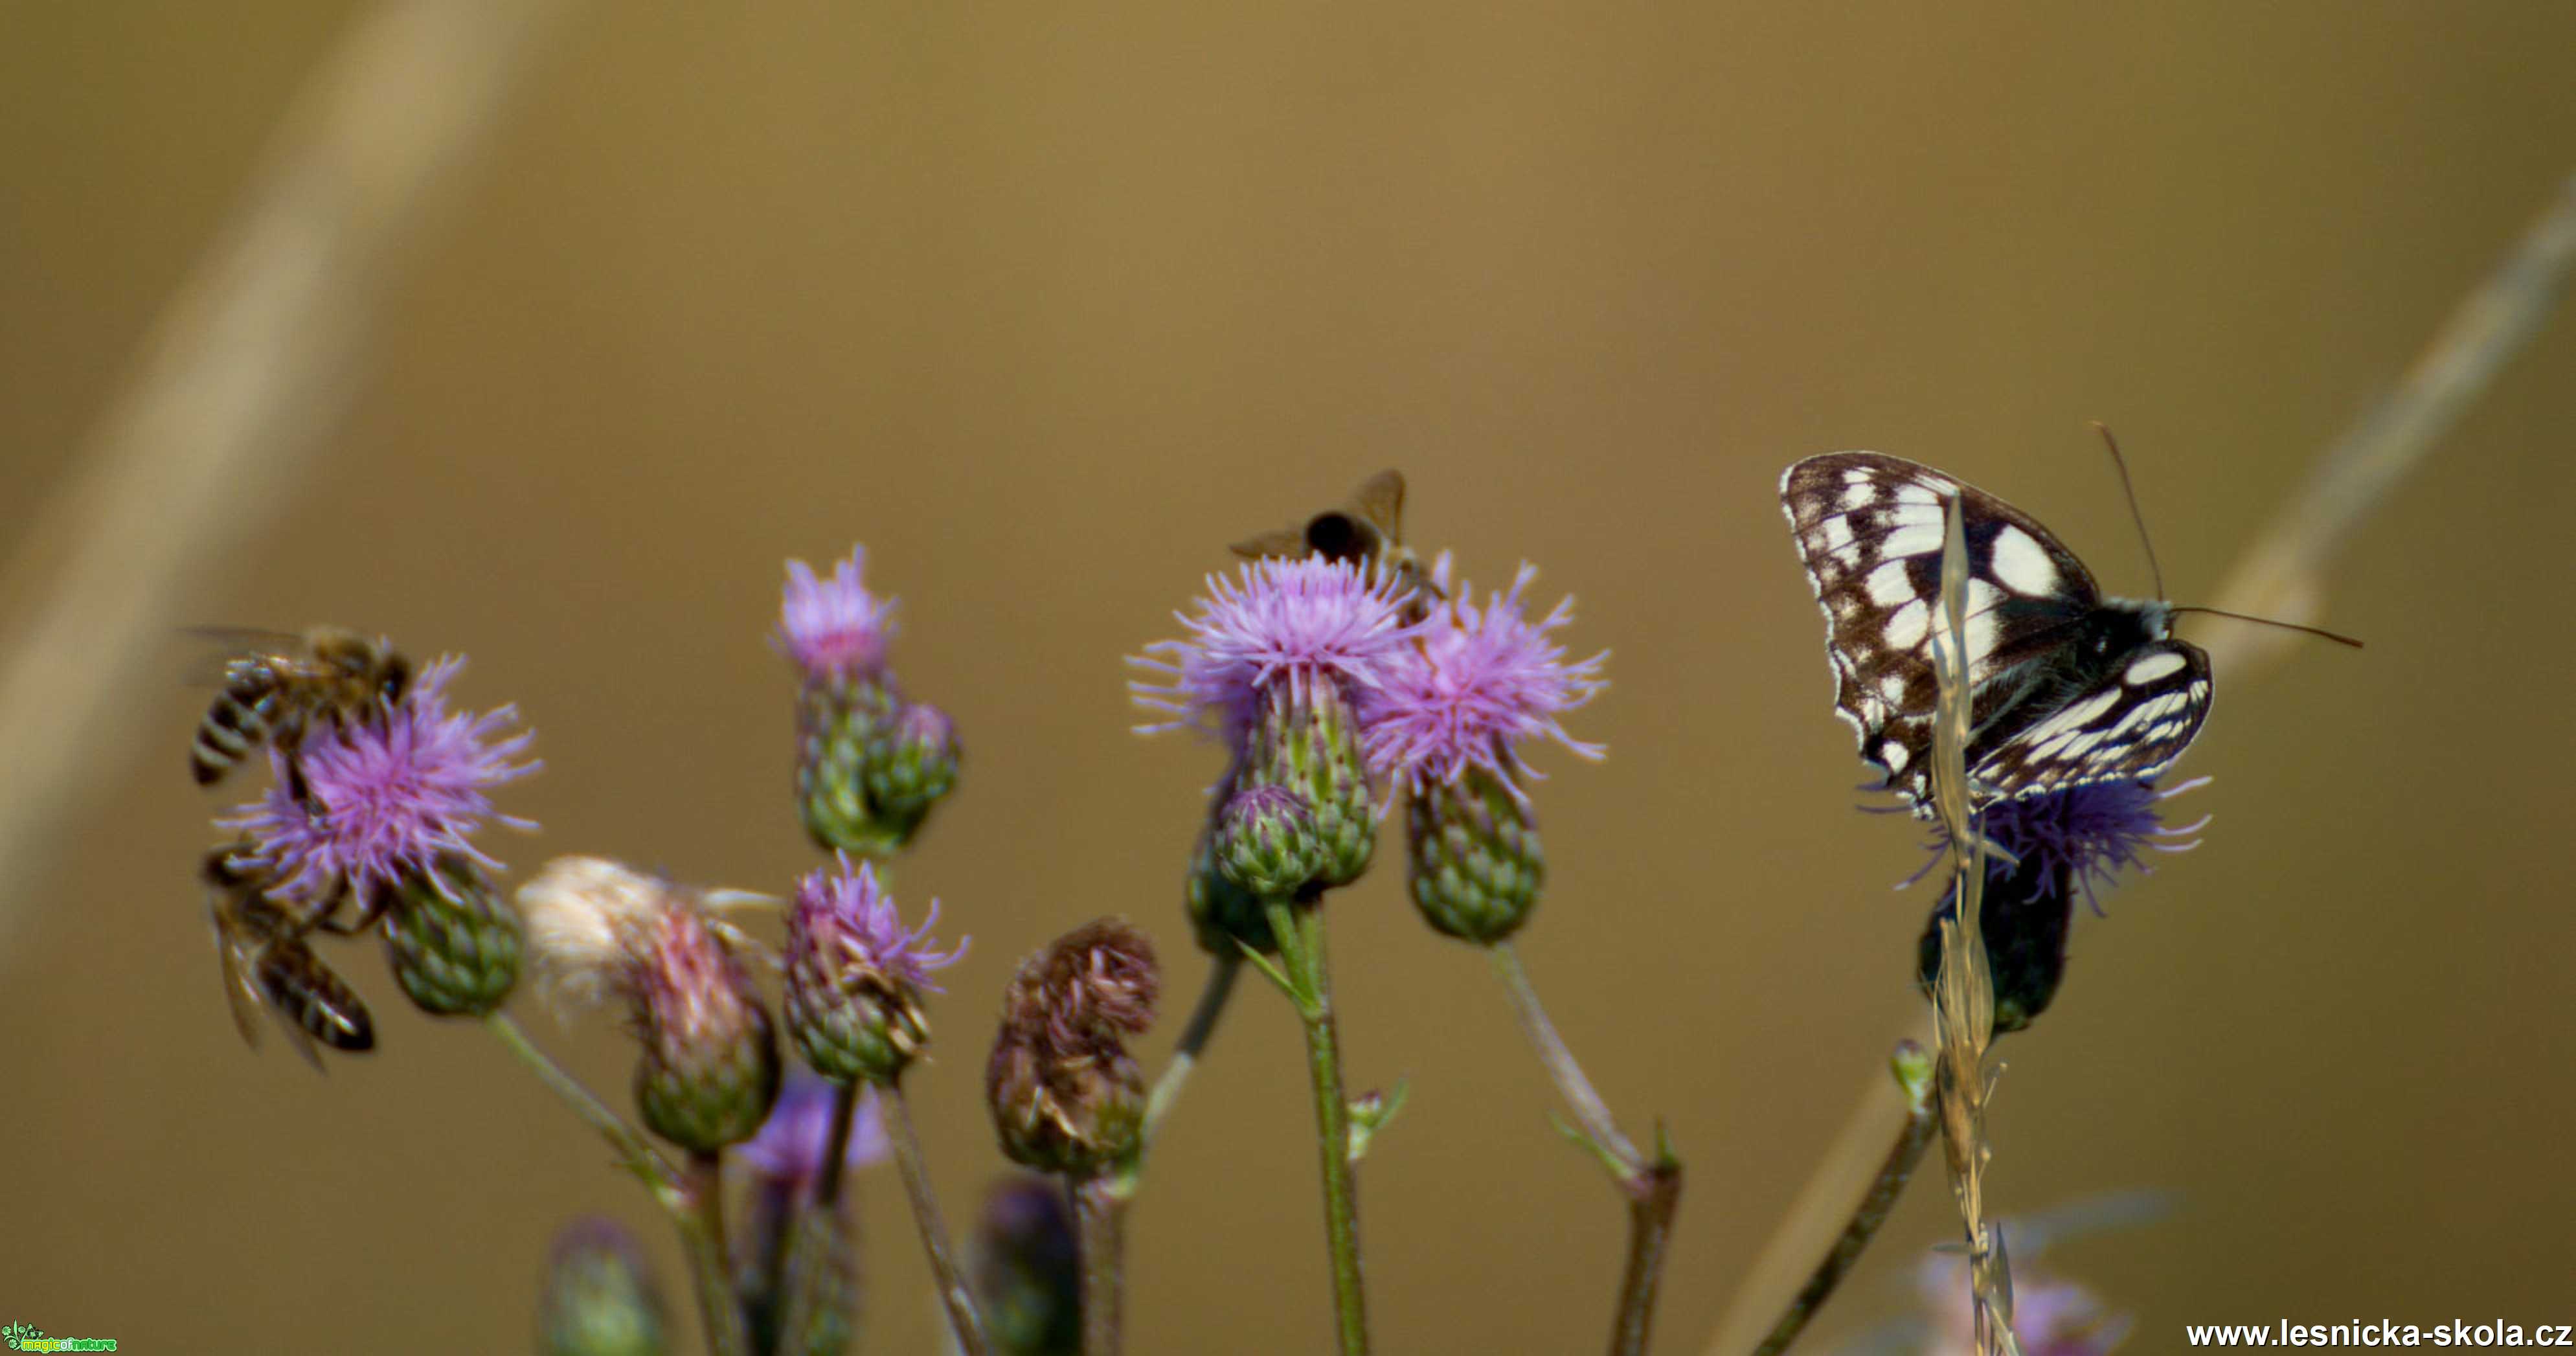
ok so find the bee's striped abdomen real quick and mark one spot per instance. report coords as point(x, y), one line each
point(235, 724)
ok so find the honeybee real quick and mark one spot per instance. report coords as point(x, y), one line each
point(268, 964)
point(275, 689)
point(1368, 529)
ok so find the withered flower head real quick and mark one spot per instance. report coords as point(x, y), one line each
point(1065, 1094)
point(608, 934)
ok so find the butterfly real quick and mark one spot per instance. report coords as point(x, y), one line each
point(2067, 687)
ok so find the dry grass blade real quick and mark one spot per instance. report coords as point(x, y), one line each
point(2283, 575)
point(244, 373)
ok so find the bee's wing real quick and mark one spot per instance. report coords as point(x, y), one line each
point(1380, 500)
point(218, 646)
point(241, 993)
point(1288, 543)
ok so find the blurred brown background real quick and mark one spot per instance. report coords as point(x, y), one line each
point(1046, 307)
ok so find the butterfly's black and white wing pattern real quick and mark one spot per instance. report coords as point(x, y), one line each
point(2068, 687)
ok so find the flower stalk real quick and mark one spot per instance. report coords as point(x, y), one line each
point(728, 1329)
point(964, 1318)
point(1651, 1185)
point(1914, 1076)
point(1301, 974)
point(811, 1245)
point(1100, 1211)
point(1193, 1045)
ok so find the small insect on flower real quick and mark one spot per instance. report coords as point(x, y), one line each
point(1369, 530)
point(268, 964)
point(278, 686)
point(382, 803)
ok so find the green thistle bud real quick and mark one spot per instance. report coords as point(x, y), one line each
point(1304, 738)
point(855, 977)
point(710, 1068)
point(599, 1299)
point(1065, 1094)
point(454, 944)
point(1224, 916)
point(1474, 855)
point(838, 714)
point(1265, 842)
point(911, 763)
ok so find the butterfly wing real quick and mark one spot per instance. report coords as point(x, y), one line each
point(2132, 723)
point(1869, 530)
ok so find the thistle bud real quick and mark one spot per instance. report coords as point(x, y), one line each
point(1473, 850)
point(1027, 1269)
point(912, 763)
point(837, 717)
point(1224, 916)
point(710, 1068)
point(855, 977)
point(454, 944)
point(1265, 841)
point(836, 632)
point(599, 1299)
point(2025, 914)
point(1304, 739)
point(1065, 1094)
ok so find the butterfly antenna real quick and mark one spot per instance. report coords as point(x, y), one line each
point(2336, 636)
point(2136, 515)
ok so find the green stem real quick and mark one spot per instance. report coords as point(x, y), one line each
point(963, 1318)
point(810, 1250)
point(1100, 1205)
point(640, 1157)
point(1301, 950)
point(728, 1333)
point(695, 1203)
point(1589, 1110)
point(1652, 1186)
point(1194, 1040)
point(1912, 1139)
point(1654, 1196)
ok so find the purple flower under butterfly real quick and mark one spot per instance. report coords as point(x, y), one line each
point(2081, 839)
point(385, 797)
point(2050, 1317)
point(1480, 682)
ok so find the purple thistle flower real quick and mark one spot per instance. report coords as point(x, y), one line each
point(1480, 683)
point(387, 796)
point(2084, 836)
point(845, 918)
point(791, 1144)
point(2050, 1317)
point(835, 628)
point(1298, 622)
